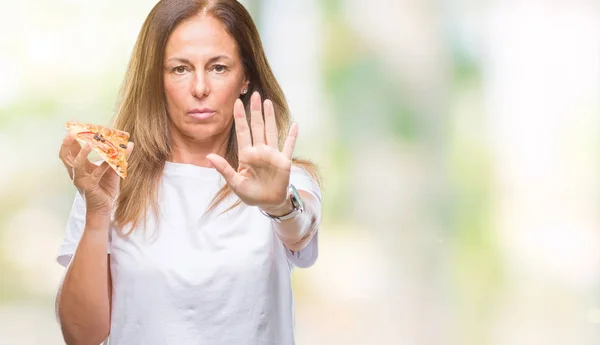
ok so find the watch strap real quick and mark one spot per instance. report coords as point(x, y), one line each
point(297, 205)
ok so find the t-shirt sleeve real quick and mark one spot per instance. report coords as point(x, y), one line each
point(74, 231)
point(306, 257)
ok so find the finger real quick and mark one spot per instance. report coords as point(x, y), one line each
point(99, 171)
point(225, 169)
point(256, 119)
point(66, 152)
point(65, 156)
point(271, 134)
point(82, 157)
point(290, 142)
point(241, 125)
point(130, 146)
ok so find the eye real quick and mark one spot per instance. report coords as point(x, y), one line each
point(219, 68)
point(179, 69)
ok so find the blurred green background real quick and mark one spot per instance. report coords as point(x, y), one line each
point(458, 142)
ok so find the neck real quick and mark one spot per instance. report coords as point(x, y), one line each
point(192, 151)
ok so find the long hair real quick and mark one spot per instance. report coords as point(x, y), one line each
point(142, 106)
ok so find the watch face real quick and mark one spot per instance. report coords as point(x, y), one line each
point(295, 196)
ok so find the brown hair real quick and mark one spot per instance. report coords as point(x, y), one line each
point(142, 109)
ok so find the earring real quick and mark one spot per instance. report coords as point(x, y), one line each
point(244, 91)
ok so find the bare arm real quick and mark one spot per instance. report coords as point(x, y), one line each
point(84, 299)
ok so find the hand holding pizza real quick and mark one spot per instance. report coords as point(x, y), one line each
point(98, 184)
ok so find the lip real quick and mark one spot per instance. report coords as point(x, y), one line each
point(201, 114)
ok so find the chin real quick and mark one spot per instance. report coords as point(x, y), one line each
point(204, 132)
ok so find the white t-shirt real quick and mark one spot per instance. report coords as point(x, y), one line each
point(195, 280)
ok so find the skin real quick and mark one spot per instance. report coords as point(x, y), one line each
point(202, 70)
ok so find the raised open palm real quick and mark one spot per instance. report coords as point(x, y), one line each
point(263, 174)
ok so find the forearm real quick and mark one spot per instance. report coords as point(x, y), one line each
point(296, 232)
point(84, 298)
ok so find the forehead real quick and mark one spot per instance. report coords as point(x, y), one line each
point(201, 36)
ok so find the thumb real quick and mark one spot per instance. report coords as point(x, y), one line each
point(129, 149)
point(224, 168)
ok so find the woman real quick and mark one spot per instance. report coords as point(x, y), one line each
point(197, 244)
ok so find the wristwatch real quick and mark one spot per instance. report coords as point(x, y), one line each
point(298, 206)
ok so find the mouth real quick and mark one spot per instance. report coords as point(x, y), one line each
point(201, 114)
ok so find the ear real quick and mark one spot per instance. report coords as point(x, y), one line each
point(245, 87)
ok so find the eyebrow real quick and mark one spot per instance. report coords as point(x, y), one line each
point(211, 60)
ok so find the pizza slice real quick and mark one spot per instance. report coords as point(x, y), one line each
point(109, 143)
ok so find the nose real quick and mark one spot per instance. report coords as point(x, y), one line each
point(200, 87)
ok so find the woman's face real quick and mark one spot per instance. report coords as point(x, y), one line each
point(203, 76)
